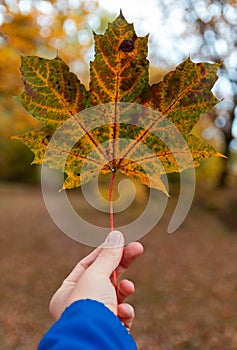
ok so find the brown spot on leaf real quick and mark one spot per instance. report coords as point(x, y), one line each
point(30, 91)
point(127, 45)
point(202, 69)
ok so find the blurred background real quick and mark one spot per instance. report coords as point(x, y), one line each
point(187, 300)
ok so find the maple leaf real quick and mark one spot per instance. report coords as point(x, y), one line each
point(118, 75)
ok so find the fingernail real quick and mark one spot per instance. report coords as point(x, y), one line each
point(115, 238)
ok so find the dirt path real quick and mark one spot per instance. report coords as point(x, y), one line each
point(186, 283)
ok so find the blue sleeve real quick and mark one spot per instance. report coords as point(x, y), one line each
point(87, 325)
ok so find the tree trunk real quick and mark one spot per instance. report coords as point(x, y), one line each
point(223, 180)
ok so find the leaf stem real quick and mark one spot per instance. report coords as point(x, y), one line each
point(111, 217)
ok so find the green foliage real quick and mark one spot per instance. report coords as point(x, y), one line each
point(119, 73)
point(15, 156)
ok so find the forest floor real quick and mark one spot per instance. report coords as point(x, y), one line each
point(186, 282)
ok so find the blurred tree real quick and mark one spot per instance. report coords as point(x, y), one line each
point(216, 25)
point(207, 31)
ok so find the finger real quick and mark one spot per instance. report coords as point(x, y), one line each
point(124, 289)
point(126, 314)
point(85, 263)
point(110, 254)
point(82, 266)
point(131, 252)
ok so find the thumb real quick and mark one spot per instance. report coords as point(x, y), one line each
point(110, 255)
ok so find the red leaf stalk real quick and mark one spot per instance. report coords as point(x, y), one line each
point(111, 217)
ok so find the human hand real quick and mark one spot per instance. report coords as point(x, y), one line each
point(91, 279)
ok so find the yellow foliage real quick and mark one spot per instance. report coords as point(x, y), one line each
point(64, 32)
point(22, 32)
point(43, 34)
point(10, 78)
